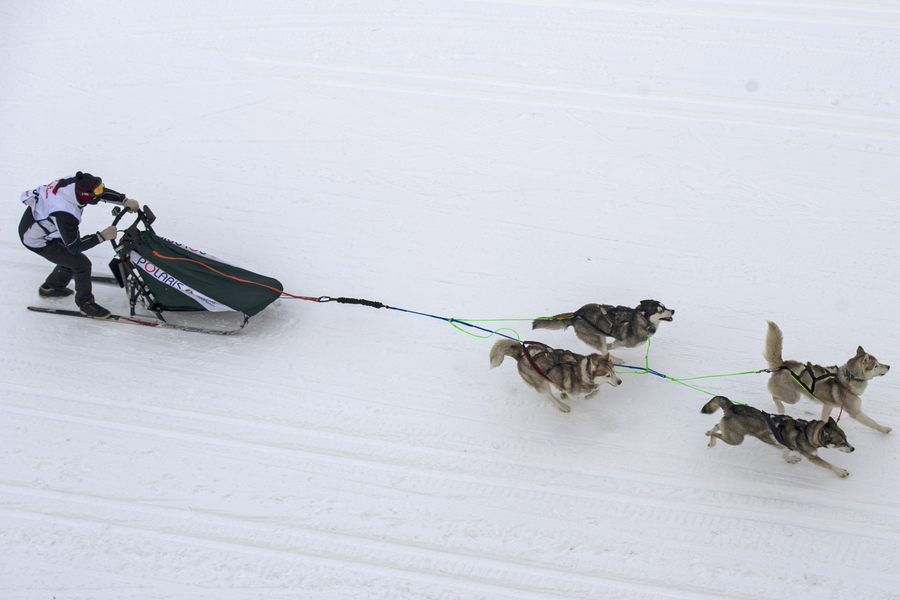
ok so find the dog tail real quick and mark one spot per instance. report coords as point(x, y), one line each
point(563, 321)
point(774, 341)
point(505, 348)
point(715, 404)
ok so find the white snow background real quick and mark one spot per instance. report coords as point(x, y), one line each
point(476, 160)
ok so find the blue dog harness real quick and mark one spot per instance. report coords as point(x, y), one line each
point(771, 423)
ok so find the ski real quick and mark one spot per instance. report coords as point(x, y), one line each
point(135, 321)
point(104, 279)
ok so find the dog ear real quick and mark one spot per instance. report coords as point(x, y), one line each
point(860, 351)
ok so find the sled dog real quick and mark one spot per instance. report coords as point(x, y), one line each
point(794, 435)
point(628, 327)
point(572, 374)
point(831, 386)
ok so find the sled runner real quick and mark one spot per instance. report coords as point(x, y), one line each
point(163, 276)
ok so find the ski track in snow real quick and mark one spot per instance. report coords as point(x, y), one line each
point(480, 160)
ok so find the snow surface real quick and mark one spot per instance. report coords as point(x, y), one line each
point(477, 160)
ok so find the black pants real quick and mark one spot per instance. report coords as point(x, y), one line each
point(68, 266)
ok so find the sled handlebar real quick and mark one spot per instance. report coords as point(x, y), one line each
point(145, 216)
point(118, 213)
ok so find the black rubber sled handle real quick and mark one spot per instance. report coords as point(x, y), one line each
point(371, 303)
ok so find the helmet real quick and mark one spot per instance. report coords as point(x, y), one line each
point(88, 188)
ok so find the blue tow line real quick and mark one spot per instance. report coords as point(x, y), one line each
point(453, 322)
point(456, 323)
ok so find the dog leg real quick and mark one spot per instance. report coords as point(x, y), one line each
point(592, 394)
point(603, 347)
point(782, 390)
point(712, 439)
point(853, 407)
point(592, 338)
point(544, 388)
point(570, 397)
point(814, 459)
point(867, 420)
point(826, 412)
point(778, 405)
point(712, 433)
point(791, 458)
point(729, 436)
point(613, 359)
point(560, 405)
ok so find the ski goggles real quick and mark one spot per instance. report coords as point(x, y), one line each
point(99, 189)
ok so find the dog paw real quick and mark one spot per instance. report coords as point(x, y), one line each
point(793, 459)
point(886, 430)
point(842, 472)
point(616, 360)
point(564, 408)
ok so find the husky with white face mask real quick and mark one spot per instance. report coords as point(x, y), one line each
point(544, 368)
point(833, 387)
point(628, 327)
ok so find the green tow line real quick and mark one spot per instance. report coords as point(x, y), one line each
point(635, 370)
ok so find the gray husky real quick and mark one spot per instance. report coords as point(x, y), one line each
point(594, 323)
point(572, 374)
point(832, 386)
point(794, 435)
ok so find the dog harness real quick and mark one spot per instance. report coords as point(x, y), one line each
point(782, 419)
point(814, 380)
point(546, 350)
point(594, 325)
point(770, 421)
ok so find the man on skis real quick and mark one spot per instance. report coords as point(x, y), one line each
point(49, 228)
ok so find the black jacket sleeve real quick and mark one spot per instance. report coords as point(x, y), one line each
point(112, 196)
point(68, 231)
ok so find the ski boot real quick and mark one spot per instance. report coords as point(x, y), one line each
point(48, 292)
point(89, 308)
